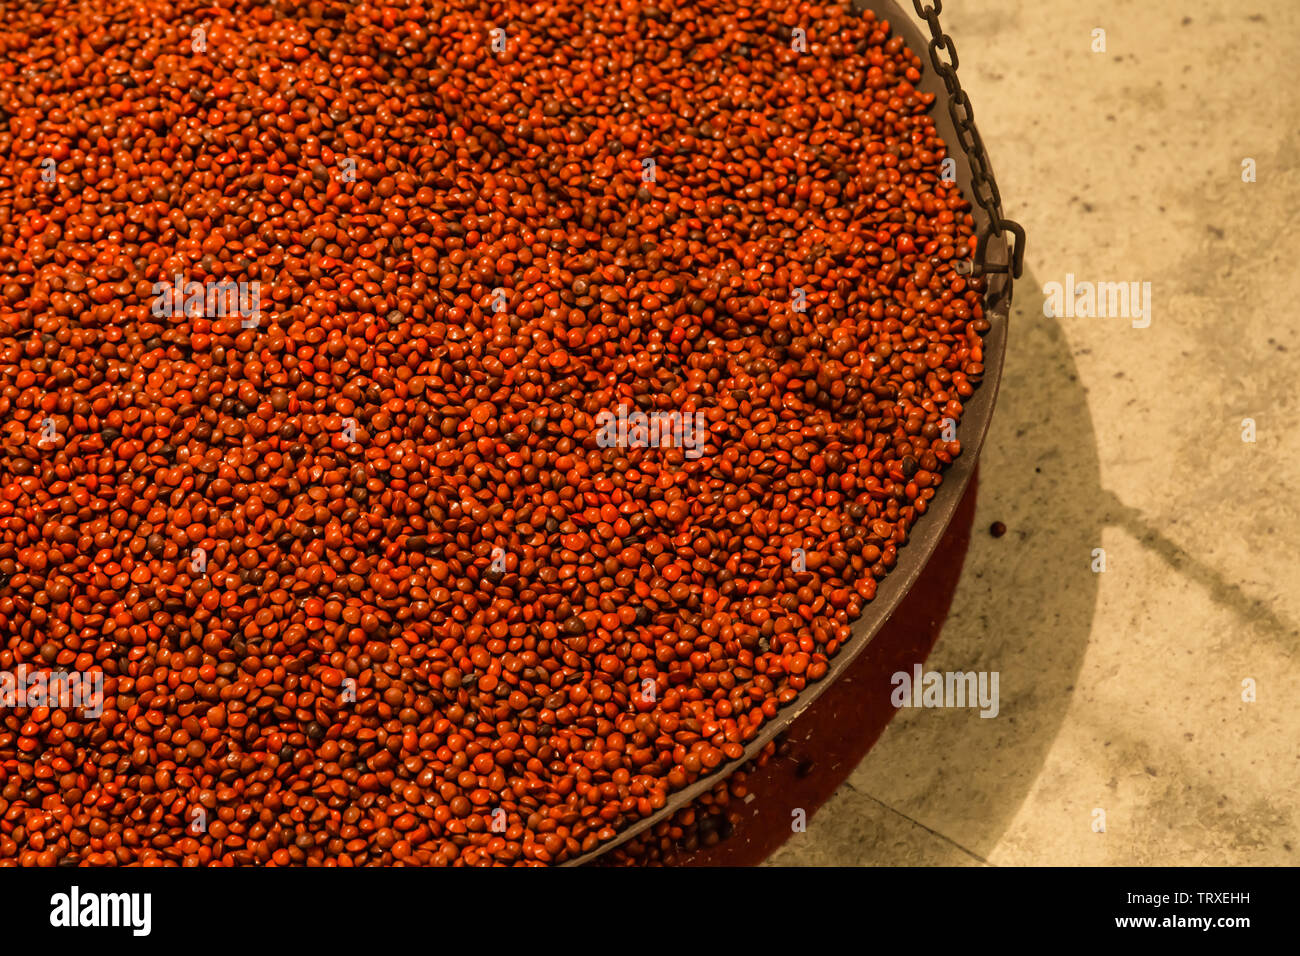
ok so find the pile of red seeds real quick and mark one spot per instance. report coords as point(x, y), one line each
point(437, 622)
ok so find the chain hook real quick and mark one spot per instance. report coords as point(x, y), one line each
point(983, 183)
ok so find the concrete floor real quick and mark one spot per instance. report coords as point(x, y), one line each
point(1123, 691)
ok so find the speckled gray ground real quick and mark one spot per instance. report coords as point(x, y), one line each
point(1123, 691)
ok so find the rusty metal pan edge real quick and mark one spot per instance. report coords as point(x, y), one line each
point(977, 414)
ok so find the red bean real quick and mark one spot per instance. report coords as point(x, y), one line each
point(363, 582)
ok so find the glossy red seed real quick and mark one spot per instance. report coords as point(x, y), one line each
point(362, 582)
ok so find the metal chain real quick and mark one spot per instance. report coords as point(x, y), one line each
point(983, 183)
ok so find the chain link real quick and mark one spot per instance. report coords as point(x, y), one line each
point(983, 184)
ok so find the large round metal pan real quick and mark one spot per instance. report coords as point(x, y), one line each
point(929, 528)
